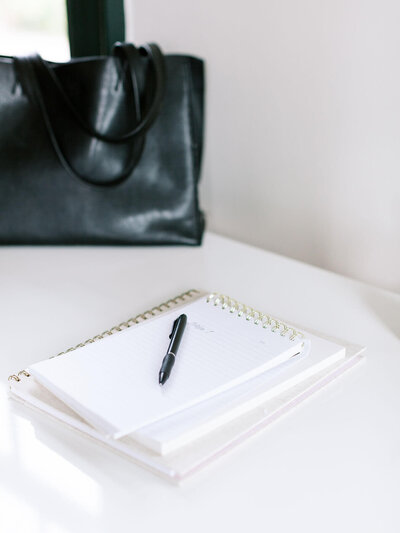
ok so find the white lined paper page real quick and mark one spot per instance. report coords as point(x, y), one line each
point(113, 383)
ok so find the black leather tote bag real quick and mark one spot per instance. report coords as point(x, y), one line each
point(101, 150)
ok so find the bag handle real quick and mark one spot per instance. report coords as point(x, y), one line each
point(129, 53)
point(27, 67)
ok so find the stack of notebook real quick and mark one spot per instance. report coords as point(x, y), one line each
point(237, 370)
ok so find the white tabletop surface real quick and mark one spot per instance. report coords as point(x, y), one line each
point(332, 464)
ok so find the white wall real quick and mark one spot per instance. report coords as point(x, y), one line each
point(303, 123)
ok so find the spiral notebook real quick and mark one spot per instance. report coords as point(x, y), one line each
point(113, 383)
point(208, 428)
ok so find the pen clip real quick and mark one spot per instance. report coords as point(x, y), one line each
point(174, 326)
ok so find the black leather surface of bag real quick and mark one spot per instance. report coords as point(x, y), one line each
point(101, 150)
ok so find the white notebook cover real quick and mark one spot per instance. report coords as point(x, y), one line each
point(113, 383)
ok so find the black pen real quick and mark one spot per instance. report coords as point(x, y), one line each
point(176, 336)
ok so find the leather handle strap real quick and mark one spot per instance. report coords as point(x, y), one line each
point(131, 55)
point(26, 68)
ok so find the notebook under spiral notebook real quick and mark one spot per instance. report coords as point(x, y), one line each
point(232, 359)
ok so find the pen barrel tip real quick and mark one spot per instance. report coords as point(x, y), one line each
point(162, 378)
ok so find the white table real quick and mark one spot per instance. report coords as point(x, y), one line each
point(331, 465)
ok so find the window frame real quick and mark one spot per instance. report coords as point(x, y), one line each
point(94, 26)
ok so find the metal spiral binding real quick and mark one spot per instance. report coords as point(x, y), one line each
point(123, 325)
point(251, 314)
